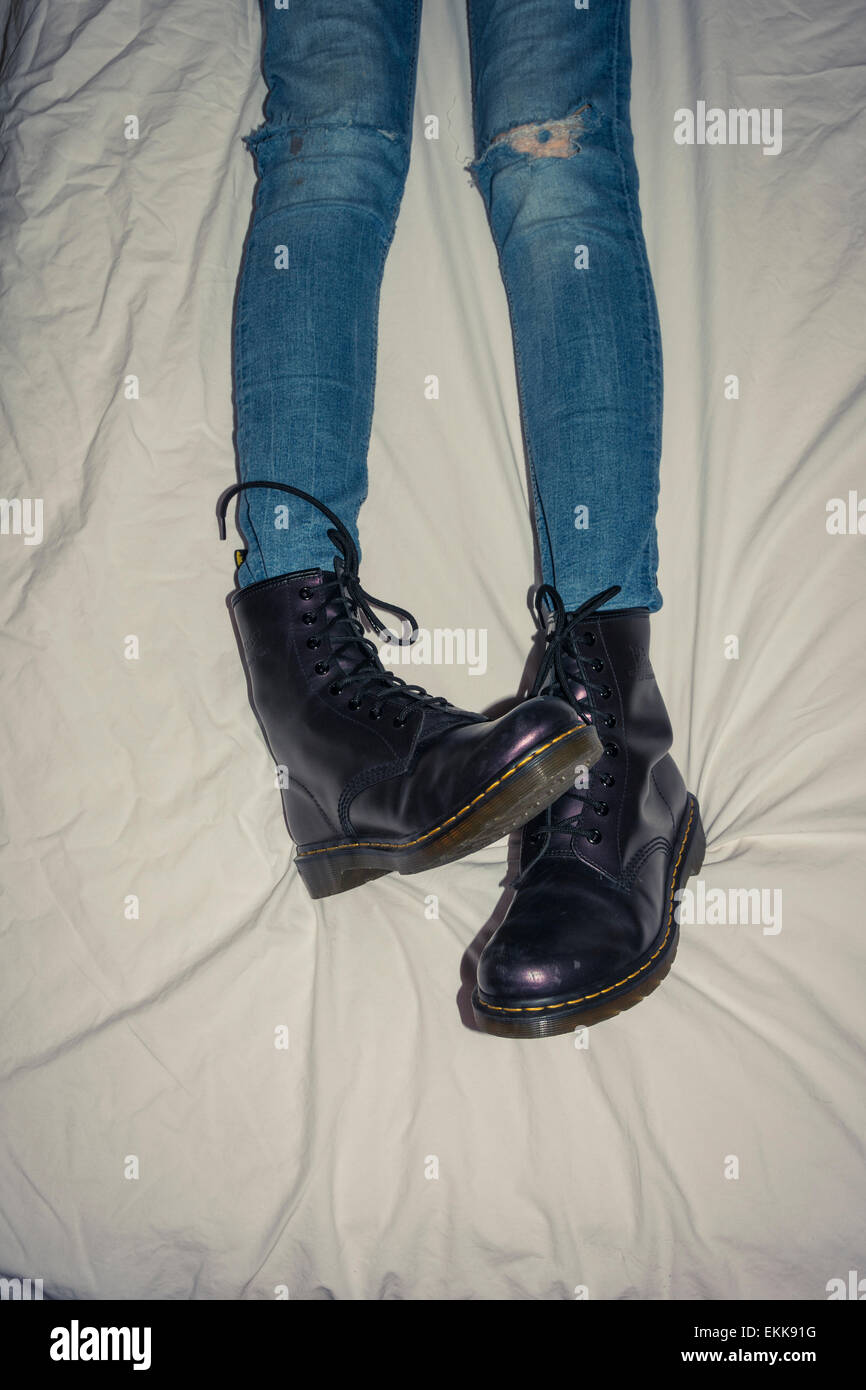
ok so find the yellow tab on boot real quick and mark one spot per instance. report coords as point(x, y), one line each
point(240, 556)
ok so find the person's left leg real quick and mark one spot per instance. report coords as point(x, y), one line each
point(591, 929)
point(555, 167)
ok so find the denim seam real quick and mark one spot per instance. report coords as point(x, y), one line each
point(372, 375)
point(353, 207)
point(545, 544)
point(473, 72)
point(413, 59)
point(539, 514)
point(481, 150)
point(386, 243)
point(249, 531)
point(654, 353)
point(286, 125)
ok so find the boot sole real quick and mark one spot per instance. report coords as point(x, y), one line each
point(542, 1019)
point(521, 790)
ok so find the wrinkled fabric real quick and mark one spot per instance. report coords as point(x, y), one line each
point(308, 1110)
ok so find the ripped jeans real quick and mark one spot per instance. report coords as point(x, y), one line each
point(555, 166)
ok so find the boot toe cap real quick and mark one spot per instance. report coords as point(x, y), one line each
point(556, 942)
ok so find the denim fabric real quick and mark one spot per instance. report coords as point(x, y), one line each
point(555, 166)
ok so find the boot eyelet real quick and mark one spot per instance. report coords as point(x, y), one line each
point(308, 618)
point(602, 808)
point(605, 692)
point(354, 704)
point(589, 639)
point(398, 722)
point(594, 837)
point(597, 665)
point(314, 642)
point(335, 688)
point(305, 592)
point(609, 721)
point(322, 667)
point(611, 750)
point(375, 714)
point(606, 779)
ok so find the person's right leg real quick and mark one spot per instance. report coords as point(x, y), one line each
point(375, 775)
point(332, 155)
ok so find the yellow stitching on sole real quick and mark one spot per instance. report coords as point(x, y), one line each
point(548, 1008)
point(407, 844)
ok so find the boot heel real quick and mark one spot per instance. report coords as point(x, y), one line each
point(323, 875)
point(697, 846)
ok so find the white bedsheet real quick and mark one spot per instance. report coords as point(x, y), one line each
point(310, 1168)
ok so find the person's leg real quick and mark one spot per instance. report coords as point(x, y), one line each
point(376, 776)
point(555, 166)
point(591, 928)
point(332, 156)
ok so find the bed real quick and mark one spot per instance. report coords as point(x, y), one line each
point(213, 1087)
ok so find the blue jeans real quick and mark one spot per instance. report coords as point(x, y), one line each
point(555, 167)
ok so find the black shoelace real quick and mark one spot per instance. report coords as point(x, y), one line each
point(368, 675)
point(554, 679)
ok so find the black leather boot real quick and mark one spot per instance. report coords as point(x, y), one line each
point(592, 927)
point(381, 776)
